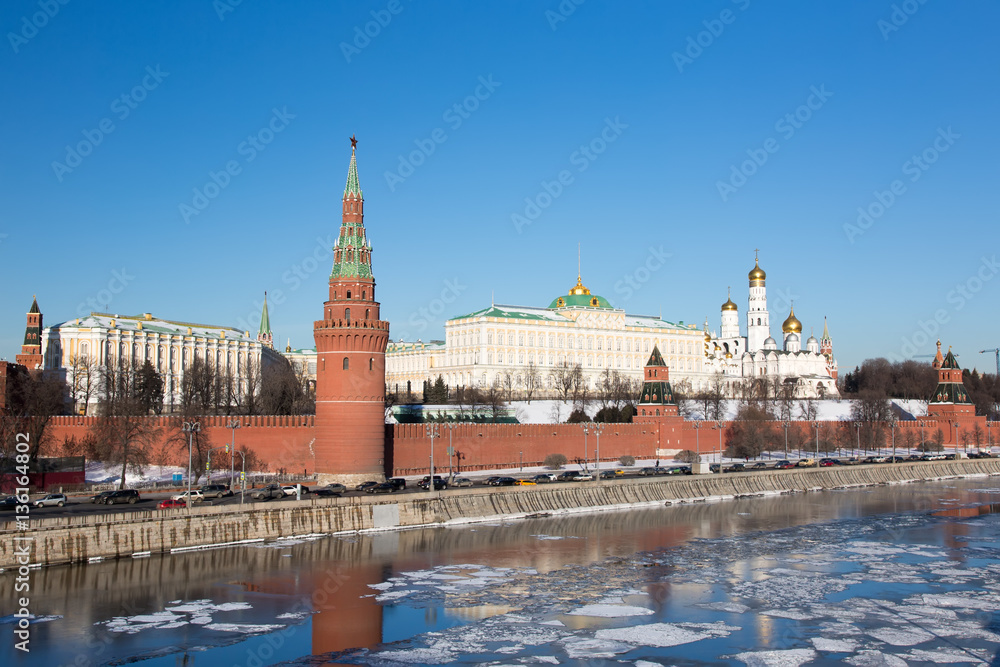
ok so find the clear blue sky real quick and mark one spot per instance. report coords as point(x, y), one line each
point(111, 230)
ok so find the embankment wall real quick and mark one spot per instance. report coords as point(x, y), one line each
point(78, 539)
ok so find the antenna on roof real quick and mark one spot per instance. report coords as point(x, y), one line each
point(492, 301)
point(579, 272)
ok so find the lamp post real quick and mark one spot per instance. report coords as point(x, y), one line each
point(817, 427)
point(432, 432)
point(718, 425)
point(892, 428)
point(190, 428)
point(697, 439)
point(451, 451)
point(234, 424)
point(857, 427)
point(520, 461)
point(597, 456)
point(243, 476)
point(585, 431)
point(786, 424)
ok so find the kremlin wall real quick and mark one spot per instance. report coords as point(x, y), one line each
point(348, 441)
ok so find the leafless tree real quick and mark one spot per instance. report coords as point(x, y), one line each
point(532, 382)
point(872, 411)
point(83, 381)
point(562, 379)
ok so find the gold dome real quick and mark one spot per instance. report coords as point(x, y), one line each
point(728, 305)
point(757, 273)
point(579, 288)
point(792, 324)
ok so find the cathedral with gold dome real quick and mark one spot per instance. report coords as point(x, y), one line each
point(811, 368)
point(528, 349)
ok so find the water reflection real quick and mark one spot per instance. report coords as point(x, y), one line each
point(330, 579)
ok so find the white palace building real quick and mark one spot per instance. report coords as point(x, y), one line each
point(580, 328)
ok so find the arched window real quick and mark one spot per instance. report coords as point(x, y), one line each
point(371, 364)
point(362, 295)
point(348, 294)
point(347, 363)
point(368, 313)
point(347, 314)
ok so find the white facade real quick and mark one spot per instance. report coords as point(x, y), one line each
point(169, 346)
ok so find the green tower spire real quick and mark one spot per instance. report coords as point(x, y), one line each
point(353, 186)
point(352, 253)
point(264, 332)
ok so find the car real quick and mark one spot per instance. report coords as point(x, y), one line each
point(269, 492)
point(649, 471)
point(364, 486)
point(461, 481)
point(583, 477)
point(334, 488)
point(615, 472)
point(491, 481)
point(784, 464)
point(806, 463)
point(736, 467)
point(8, 503)
point(933, 457)
point(98, 498)
point(53, 499)
point(826, 463)
point(608, 474)
point(876, 459)
point(714, 467)
point(675, 470)
point(216, 490)
point(384, 487)
point(950, 457)
point(505, 481)
point(524, 482)
point(398, 482)
point(685, 470)
point(569, 476)
point(292, 489)
point(895, 459)
point(196, 496)
point(760, 465)
point(439, 482)
point(130, 496)
point(327, 493)
point(170, 504)
point(544, 478)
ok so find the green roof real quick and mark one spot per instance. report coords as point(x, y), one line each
point(580, 301)
point(656, 393)
point(655, 359)
point(951, 392)
point(950, 361)
point(353, 184)
point(265, 321)
point(503, 313)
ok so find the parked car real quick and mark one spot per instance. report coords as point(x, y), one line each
point(130, 496)
point(461, 481)
point(491, 481)
point(806, 463)
point(506, 481)
point(364, 486)
point(98, 498)
point(398, 483)
point(51, 500)
point(569, 476)
point(784, 464)
point(216, 490)
point(760, 465)
point(170, 503)
point(8, 503)
point(384, 487)
point(544, 478)
point(291, 489)
point(524, 482)
point(334, 488)
point(439, 482)
point(269, 492)
point(196, 496)
point(714, 467)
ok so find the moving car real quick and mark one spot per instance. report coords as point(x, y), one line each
point(736, 467)
point(714, 467)
point(398, 482)
point(583, 477)
point(98, 498)
point(290, 489)
point(216, 490)
point(544, 478)
point(608, 474)
point(334, 488)
point(649, 472)
point(170, 504)
point(53, 499)
point(827, 463)
point(196, 496)
point(384, 487)
point(505, 481)
point(268, 492)
point(784, 464)
point(328, 493)
point(461, 481)
point(8, 503)
point(130, 496)
point(364, 486)
point(760, 465)
point(524, 482)
point(439, 482)
point(491, 481)
point(569, 476)
point(806, 463)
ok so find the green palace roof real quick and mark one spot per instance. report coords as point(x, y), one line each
point(580, 297)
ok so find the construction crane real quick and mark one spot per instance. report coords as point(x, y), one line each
point(995, 351)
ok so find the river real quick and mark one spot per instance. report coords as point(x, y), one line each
point(887, 575)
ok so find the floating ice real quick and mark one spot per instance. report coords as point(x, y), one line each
point(875, 659)
point(908, 636)
point(789, 658)
point(653, 634)
point(582, 647)
point(942, 656)
point(611, 611)
point(834, 645)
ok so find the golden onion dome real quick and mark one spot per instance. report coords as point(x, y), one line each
point(729, 355)
point(579, 288)
point(756, 273)
point(792, 324)
point(728, 305)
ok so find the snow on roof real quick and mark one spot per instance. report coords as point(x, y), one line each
point(147, 322)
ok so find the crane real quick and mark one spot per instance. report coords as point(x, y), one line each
point(996, 351)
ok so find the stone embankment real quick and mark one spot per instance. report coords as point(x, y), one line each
point(82, 538)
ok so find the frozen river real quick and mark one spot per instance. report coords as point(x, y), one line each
point(896, 575)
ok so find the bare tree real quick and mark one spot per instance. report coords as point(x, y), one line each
point(507, 382)
point(83, 381)
point(562, 379)
point(871, 410)
point(532, 381)
point(33, 399)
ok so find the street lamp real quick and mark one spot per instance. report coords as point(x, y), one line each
point(817, 427)
point(697, 438)
point(243, 476)
point(857, 427)
point(718, 425)
point(234, 424)
point(190, 428)
point(432, 432)
point(786, 424)
point(586, 430)
point(597, 456)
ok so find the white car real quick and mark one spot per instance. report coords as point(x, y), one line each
point(196, 496)
point(53, 499)
point(289, 489)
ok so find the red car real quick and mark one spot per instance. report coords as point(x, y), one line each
point(783, 465)
point(170, 504)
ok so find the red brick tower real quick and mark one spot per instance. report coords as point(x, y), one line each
point(350, 354)
point(657, 406)
point(31, 350)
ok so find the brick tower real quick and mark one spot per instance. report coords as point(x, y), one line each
point(350, 355)
point(31, 350)
point(657, 408)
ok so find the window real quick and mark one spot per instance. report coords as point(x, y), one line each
point(368, 313)
point(347, 363)
point(348, 294)
point(347, 314)
point(362, 295)
point(371, 364)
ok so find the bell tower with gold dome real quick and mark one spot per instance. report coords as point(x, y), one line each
point(758, 324)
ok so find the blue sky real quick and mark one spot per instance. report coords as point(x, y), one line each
point(686, 135)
